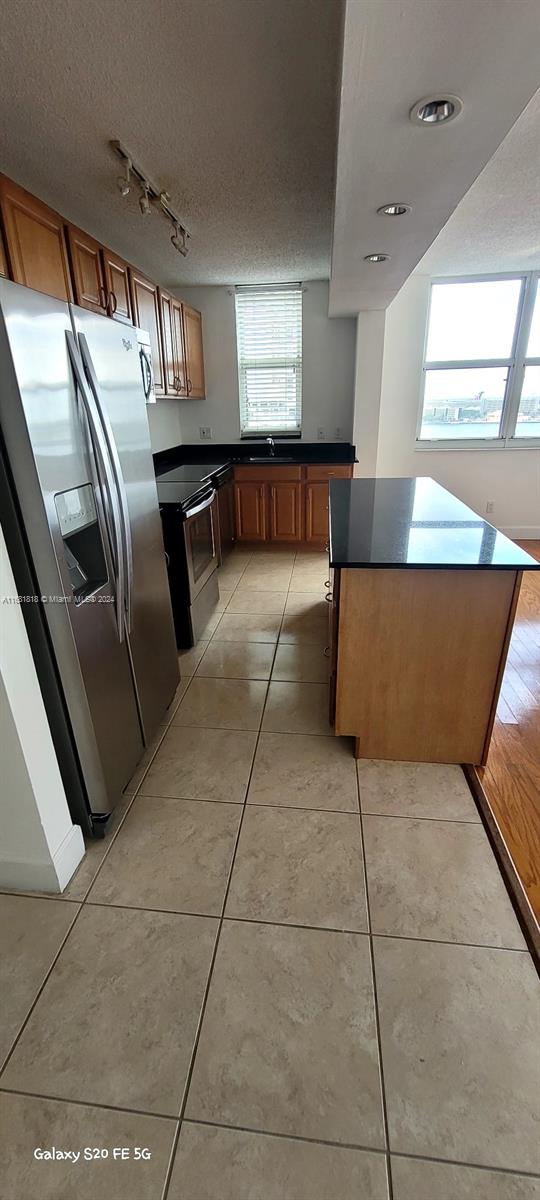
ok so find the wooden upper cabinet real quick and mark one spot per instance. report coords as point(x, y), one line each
point(172, 331)
point(194, 353)
point(116, 273)
point(3, 259)
point(285, 512)
point(87, 268)
point(179, 342)
point(35, 242)
point(145, 304)
point(169, 369)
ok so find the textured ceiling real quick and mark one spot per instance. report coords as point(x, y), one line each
point(231, 105)
point(396, 52)
point(497, 225)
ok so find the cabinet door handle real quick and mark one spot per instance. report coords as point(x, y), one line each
point(327, 584)
point(114, 302)
point(189, 386)
point(329, 598)
point(102, 296)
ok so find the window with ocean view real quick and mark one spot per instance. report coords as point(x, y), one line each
point(481, 373)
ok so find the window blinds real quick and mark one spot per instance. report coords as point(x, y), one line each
point(269, 341)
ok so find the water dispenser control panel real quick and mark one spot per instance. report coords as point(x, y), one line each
point(76, 509)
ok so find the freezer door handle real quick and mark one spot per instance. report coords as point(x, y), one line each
point(105, 475)
point(119, 479)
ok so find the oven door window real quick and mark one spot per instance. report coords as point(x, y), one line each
point(200, 532)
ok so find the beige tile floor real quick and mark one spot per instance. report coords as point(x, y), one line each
point(286, 977)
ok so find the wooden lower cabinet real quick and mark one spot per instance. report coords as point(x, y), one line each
point(293, 501)
point(35, 242)
point(226, 515)
point(250, 511)
point(285, 509)
point(316, 512)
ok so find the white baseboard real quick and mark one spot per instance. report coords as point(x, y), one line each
point(50, 875)
point(523, 532)
point(68, 855)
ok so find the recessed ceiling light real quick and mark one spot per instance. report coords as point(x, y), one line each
point(393, 210)
point(436, 110)
point(376, 257)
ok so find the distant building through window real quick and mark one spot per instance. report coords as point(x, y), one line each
point(481, 374)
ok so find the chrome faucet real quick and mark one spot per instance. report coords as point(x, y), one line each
point(270, 442)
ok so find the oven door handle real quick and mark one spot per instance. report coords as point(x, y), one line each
point(194, 512)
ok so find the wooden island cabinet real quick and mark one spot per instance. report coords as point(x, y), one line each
point(424, 598)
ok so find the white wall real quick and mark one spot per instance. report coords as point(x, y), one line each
point(509, 478)
point(370, 328)
point(164, 423)
point(327, 373)
point(40, 846)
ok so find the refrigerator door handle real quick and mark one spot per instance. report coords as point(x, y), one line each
point(118, 477)
point(104, 472)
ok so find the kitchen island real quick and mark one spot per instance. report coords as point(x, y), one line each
point(423, 602)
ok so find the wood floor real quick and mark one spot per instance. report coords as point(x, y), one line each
point(511, 778)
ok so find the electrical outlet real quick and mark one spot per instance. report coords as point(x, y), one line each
point(320, 434)
point(205, 433)
point(490, 506)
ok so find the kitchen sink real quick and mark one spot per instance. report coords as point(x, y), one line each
point(267, 458)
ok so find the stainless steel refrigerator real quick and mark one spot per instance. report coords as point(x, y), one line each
point(81, 519)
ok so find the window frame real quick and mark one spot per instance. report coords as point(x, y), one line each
point(269, 288)
point(516, 363)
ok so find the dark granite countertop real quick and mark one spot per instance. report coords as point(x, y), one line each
point(192, 472)
point(413, 523)
point(181, 492)
point(229, 453)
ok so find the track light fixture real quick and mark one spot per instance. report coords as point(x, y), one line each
point(124, 181)
point(144, 201)
point(150, 197)
point(178, 239)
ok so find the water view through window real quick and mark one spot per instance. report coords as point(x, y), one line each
point(470, 374)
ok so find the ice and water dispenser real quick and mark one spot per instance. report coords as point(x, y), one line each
point(81, 536)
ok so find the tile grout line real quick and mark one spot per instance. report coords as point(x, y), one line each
point(375, 999)
point(40, 990)
point(298, 1137)
point(198, 1031)
point(396, 937)
point(294, 1137)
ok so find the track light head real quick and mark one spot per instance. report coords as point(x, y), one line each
point(144, 202)
point(124, 181)
point(178, 239)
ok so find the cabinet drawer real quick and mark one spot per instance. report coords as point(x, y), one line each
point(321, 474)
point(268, 474)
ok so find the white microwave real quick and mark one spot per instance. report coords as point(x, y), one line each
point(147, 370)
